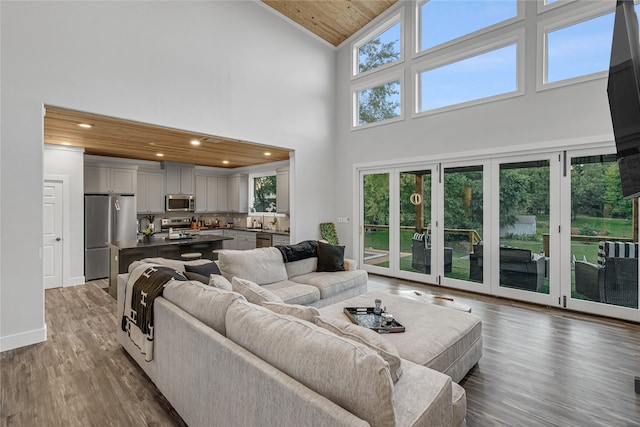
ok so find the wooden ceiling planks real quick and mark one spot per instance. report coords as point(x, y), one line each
point(127, 139)
point(332, 20)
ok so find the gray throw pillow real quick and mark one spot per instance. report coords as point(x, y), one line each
point(253, 292)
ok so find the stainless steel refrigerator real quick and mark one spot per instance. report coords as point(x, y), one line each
point(107, 218)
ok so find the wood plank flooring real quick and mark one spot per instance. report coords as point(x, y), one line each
point(541, 367)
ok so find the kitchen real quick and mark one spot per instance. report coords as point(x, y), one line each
point(221, 192)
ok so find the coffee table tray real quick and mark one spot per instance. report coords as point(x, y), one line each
point(364, 316)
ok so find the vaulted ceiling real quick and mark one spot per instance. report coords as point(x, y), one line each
point(332, 20)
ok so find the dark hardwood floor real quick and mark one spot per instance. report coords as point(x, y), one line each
point(541, 367)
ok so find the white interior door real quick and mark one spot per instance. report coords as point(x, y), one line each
point(52, 234)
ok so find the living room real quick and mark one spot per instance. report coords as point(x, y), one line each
point(239, 70)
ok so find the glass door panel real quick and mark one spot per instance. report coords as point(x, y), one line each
point(415, 253)
point(375, 220)
point(524, 225)
point(604, 235)
point(463, 223)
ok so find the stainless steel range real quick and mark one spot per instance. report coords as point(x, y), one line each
point(178, 228)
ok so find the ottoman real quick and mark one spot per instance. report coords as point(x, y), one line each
point(440, 338)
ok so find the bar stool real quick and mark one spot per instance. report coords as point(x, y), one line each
point(191, 256)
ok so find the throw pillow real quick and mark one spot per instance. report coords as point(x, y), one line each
point(197, 277)
point(296, 310)
point(254, 293)
point(205, 269)
point(220, 282)
point(330, 257)
point(367, 337)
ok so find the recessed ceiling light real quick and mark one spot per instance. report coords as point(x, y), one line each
point(85, 125)
point(226, 162)
point(267, 153)
point(66, 143)
point(195, 142)
point(159, 154)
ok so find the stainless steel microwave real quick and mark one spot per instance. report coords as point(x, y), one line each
point(180, 203)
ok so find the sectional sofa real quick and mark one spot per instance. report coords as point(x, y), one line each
point(224, 358)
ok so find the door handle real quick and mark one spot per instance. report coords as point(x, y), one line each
point(58, 239)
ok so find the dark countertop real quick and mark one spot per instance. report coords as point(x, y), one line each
point(159, 241)
point(254, 230)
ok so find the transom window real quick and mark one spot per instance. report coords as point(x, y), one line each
point(378, 103)
point(579, 49)
point(381, 48)
point(441, 21)
point(482, 76)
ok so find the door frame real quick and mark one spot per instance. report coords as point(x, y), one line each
point(66, 238)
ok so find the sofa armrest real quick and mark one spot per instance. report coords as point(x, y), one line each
point(350, 264)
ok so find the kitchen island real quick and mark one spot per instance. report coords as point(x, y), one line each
point(123, 253)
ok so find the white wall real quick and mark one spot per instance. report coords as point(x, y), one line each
point(69, 162)
point(225, 68)
point(556, 118)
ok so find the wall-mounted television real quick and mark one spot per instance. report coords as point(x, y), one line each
point(624, 95)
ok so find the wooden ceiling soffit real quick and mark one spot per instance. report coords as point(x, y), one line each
point(332, 20)
point(127, 139)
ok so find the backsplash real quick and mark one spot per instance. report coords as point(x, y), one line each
point(239, 220)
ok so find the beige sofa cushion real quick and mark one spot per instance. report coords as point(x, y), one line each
point(294, 293)
point(205, 303)
point(176, 264)
point(348, 373)
point(254, 293)
point(296, 310)
point(367, 337)
point(333, 283)
point(220, 282)
point(261, 265)
point(304, 266)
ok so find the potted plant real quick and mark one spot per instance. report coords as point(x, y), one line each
point(151, 219)
point(148, 235)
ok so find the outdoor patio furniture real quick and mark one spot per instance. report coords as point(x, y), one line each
point(519, 267)
point(614, 279)
point(421, 254)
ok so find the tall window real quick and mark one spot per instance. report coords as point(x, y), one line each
point(489, 74)
point(445, 20)
point(264, 193)
point(382, 48)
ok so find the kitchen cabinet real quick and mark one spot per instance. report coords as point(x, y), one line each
point(102, 179)
point(238, 197)
point(201, 193)
point(223, 203)
point(150, 194)
point(280, 239)
point(230, 244)
point(180, 179)
point(212, 194)
point(245, 240)
point(282, 190)
point(206, 193)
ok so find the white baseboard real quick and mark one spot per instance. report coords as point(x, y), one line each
point(74, 281)
point(26, 338)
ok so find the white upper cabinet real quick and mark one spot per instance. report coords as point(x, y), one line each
point(212, 194)
point(238, 197)
point(282, 190)
point(223, 203)
point(201, 193)
point(102, 179)
point(150, 194)
point(180, 179)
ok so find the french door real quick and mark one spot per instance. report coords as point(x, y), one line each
point(600, 243)
point(550, 228)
